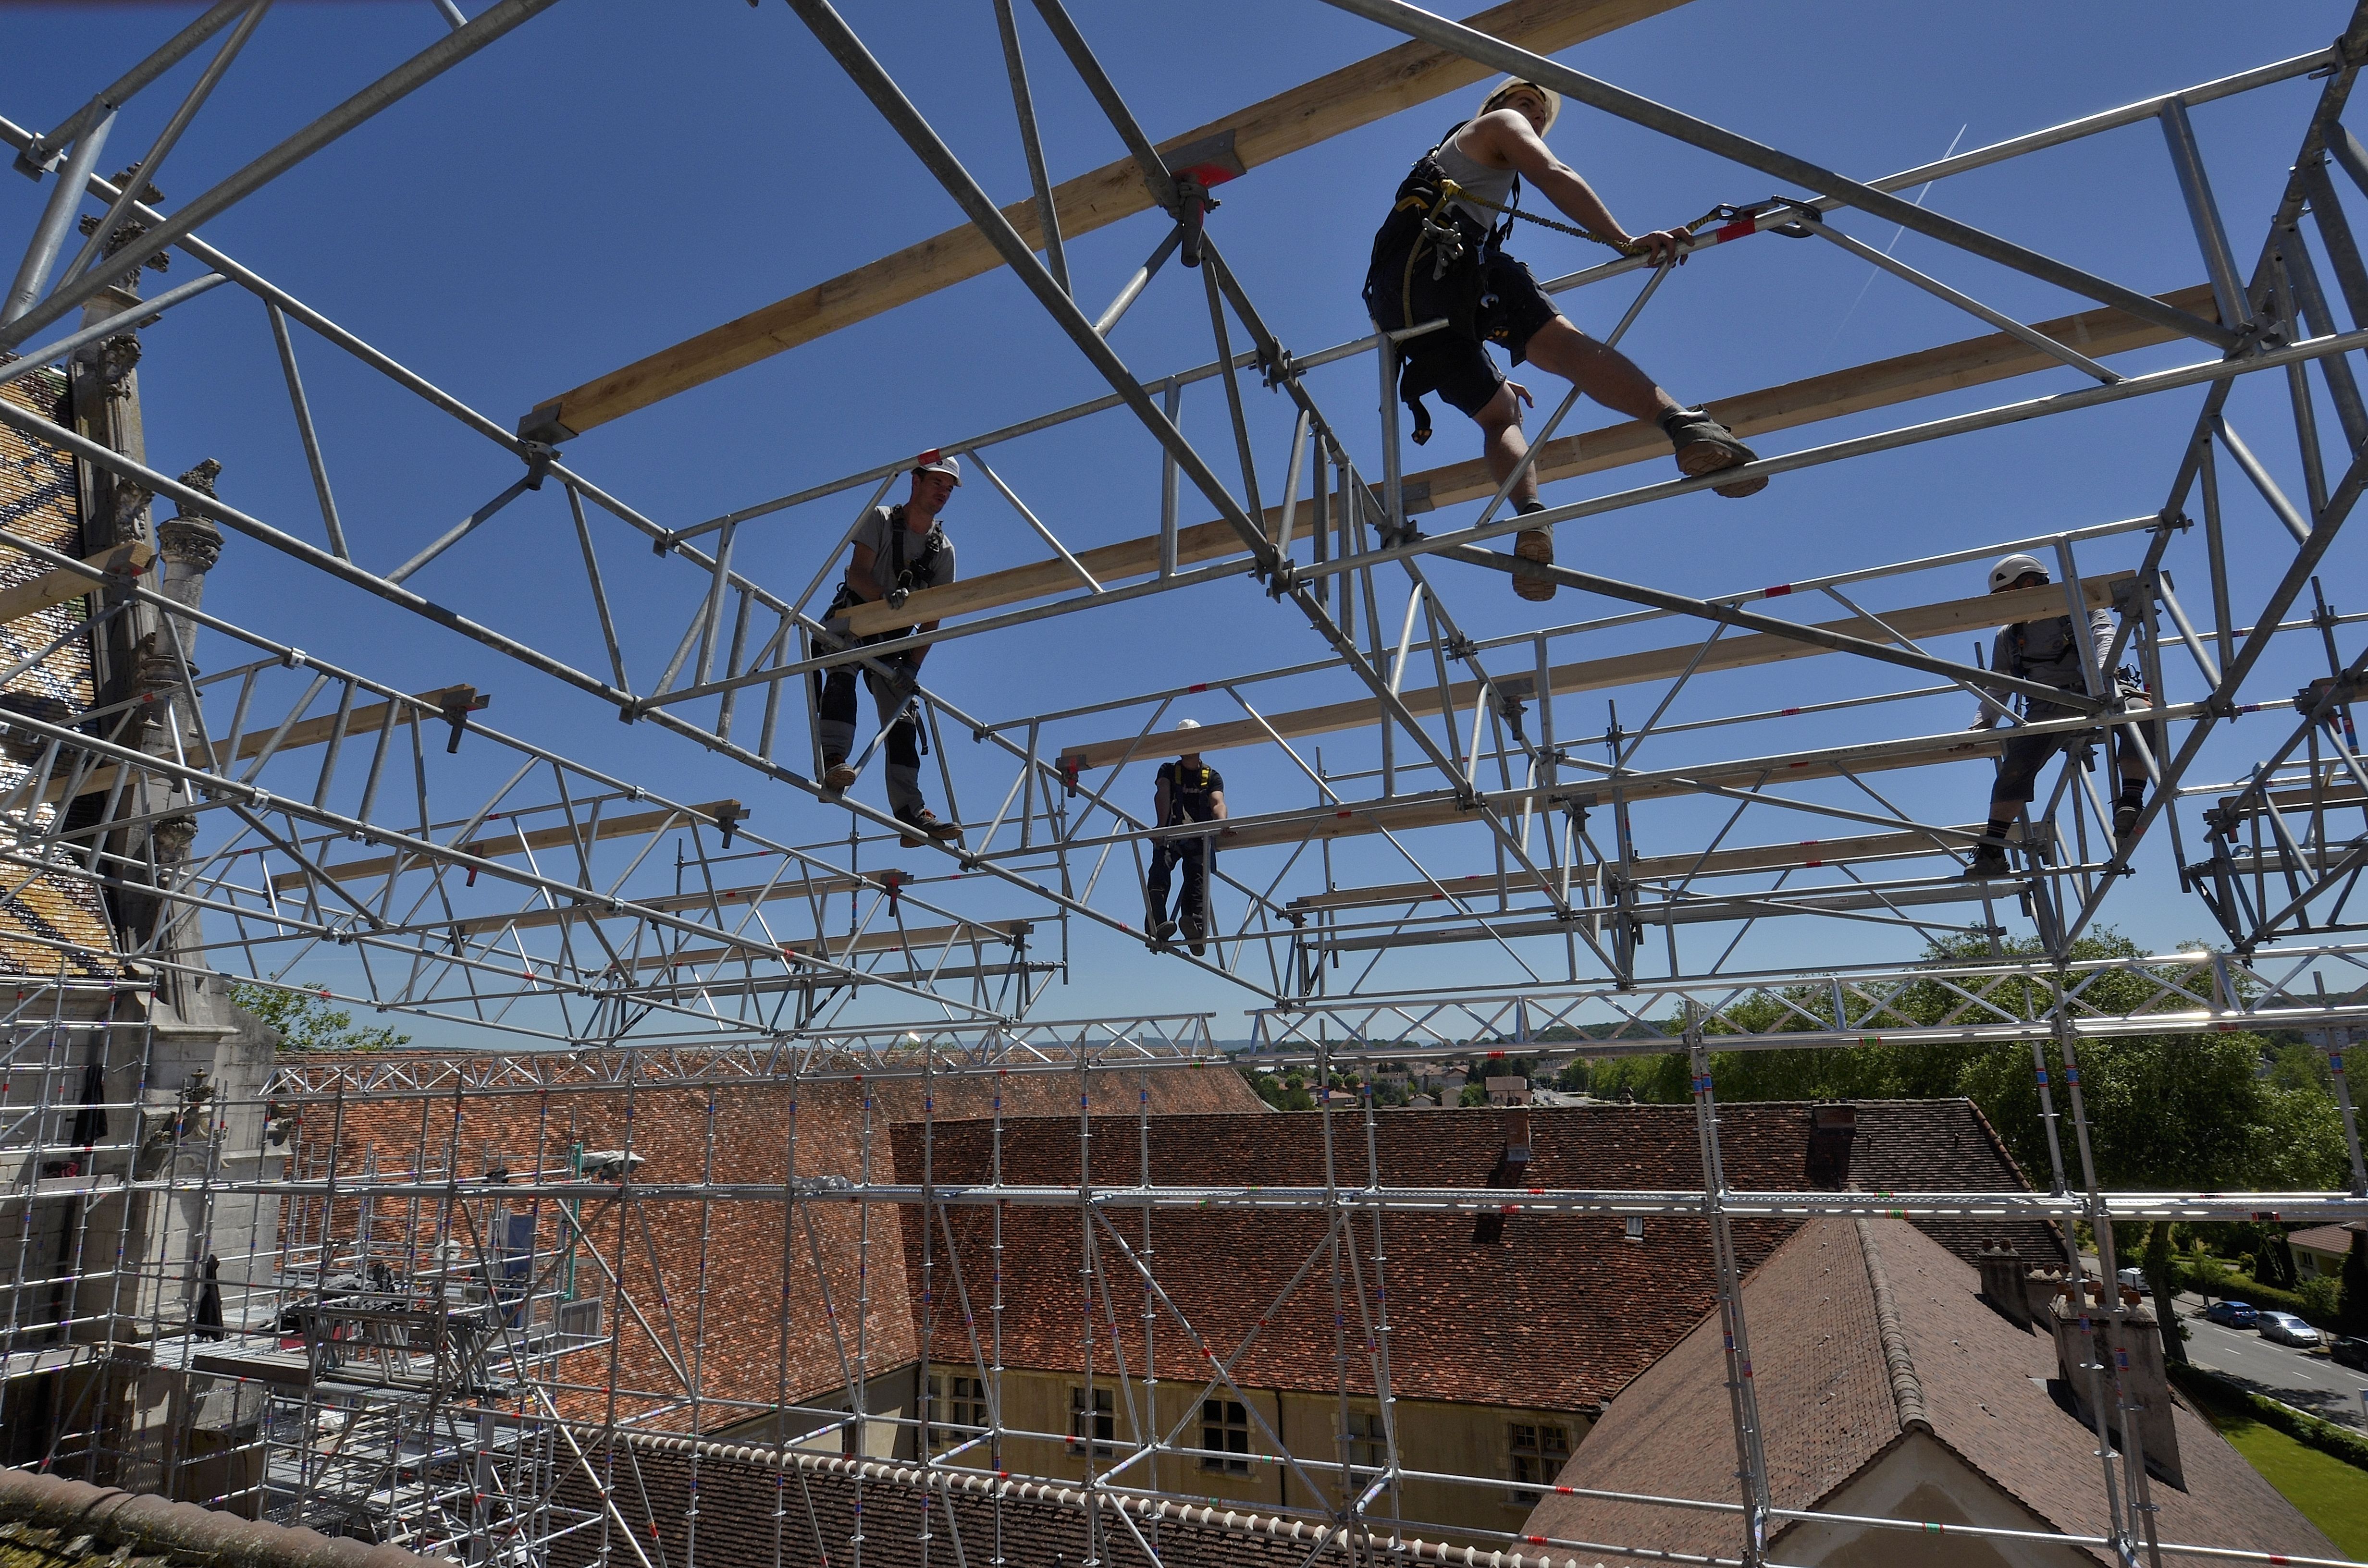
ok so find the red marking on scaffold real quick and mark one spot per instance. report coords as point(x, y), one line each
point(1778, 592)
point(1733, 230)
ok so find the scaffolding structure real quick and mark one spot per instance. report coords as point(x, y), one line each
point(392, 1294)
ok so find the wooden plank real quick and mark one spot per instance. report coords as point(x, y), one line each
point(1920, 622)
point(1806, 853)
point(518, 843)
point(1342, 101)
point(1974, 362)
point(888, 941)
point(360, 721)
point(1352, 824)
point(2338, 791)
point(60, 584)
point(675, 903)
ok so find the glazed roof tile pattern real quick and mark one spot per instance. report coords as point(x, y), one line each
point(1561, 1313)
point(40, 501)
point(1831, 1402)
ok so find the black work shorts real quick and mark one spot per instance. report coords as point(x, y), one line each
point(1508, 310)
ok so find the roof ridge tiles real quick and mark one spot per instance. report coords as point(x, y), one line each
point(1899, 1367)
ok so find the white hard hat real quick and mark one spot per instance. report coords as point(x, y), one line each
point(935, 462)
point(1552, 98)
point(1188, 723)
point(2012, 567)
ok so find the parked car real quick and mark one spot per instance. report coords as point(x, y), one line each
point(2349, 1350)
point(2286, 1329)
point(2231, 1315)
point(2135, 1279)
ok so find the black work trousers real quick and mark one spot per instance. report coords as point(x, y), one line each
point(1195, 855)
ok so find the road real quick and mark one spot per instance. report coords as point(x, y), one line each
point(2304, 1380)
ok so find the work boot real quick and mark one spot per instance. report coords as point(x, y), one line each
point(1196, 934)
point(1989, 862)
point(1534, 544)
point(2125, 816)
point(922, 825)
point(1704, 445)
point(1158, 928)
point(836, 774)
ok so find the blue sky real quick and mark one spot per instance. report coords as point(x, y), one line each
point(613, 177)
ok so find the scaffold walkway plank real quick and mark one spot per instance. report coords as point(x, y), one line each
point(1807, 854)
point(1979, 613)
point(1882, 383)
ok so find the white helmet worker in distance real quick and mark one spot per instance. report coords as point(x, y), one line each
point(2046, 648)
point(2011, 570)
point(1187, 791)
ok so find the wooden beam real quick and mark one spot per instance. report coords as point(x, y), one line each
point(60, 584)
point(1807, 853)
point(519, 843)
point(1331, 105)
point(1355, 822)
point(2338, 791)
point(675, 903)
point(360, 721)
point(1973, 361)
point(1920, 622)
point(889, 941)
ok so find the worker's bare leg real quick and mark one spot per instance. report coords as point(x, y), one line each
point(1599, 371)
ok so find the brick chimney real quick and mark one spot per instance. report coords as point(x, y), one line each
point(1831, 1127)
point(2080, 1339)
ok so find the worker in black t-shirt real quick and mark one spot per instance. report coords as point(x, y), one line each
point(1187, 791)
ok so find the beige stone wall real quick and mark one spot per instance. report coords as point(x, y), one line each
point(1437, 1436)
point(1921, 1479)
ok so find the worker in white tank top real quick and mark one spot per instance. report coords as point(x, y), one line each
point(1435, 260)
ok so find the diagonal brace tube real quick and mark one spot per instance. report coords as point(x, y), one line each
point(1417, 23)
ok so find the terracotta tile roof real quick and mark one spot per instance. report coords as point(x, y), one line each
point(738, 1491)
point(2328, 1238)
point(1559, 1314)
point(48, 1521)
point(1837, 1385)
point(738, 1299)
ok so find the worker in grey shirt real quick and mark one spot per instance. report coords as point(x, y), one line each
point(2047, 652)
point(898, 550)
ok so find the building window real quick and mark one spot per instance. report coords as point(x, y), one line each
point(1101, 1425)
point(1636, 1227)
point(1539, 1453)
point(957, 1410)
point(1369, 1441)
point(1224, 1432)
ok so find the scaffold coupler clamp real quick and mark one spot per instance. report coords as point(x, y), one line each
point(538, 456)
point(728, 818)
point(1069, 767)
point(458, 704)
point(1193, 204)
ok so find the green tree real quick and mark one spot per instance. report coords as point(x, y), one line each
point(2162, 1277)
point(2351, 1302)
point(1473, 1094)
point(2205, 1274)
point(307, 1022)
point(1573, 1078)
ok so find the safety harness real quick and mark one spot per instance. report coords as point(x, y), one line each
point(1199, 779)
point(903, 577)
point(1424, 221)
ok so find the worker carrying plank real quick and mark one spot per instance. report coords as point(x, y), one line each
point(898, 550)
point(1441, 253)
point(2048, 652)
point(1188, 789)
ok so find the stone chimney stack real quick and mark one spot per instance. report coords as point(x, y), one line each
point(1831, 1129)
point(2002, 1273)
point(2079, 1326)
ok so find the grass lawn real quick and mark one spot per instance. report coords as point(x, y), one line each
point(2332, 1494)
